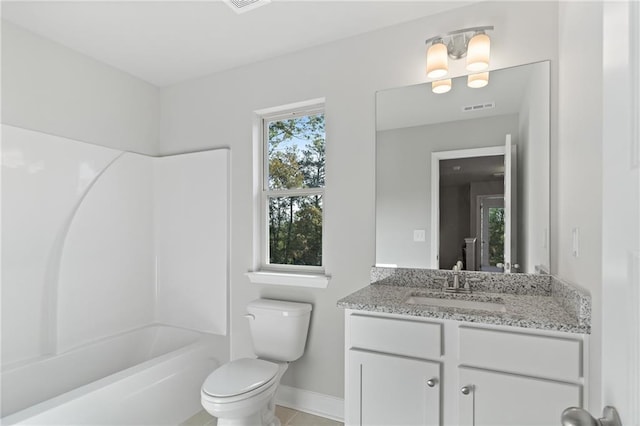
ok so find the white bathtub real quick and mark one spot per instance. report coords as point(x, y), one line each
point(149, 376)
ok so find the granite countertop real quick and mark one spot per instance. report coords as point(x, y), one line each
point(522, 310)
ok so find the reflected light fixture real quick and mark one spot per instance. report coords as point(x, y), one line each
point(472, 43)
point(476, 81)
point(441, 86)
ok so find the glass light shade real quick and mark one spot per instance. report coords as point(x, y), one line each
point(437, 63)
point(476, 81)
point(478, 53)
point(441, 86)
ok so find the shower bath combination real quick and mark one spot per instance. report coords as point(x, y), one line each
point(114, 279)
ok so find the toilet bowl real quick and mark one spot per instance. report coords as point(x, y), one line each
point(242, 392)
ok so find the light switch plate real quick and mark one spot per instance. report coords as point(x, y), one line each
point(419, 235)
point(575, 242)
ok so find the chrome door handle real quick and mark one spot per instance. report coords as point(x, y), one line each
point(574, 416)
point(466, 390)
point(432, 382)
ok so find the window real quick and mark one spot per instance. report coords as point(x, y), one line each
point(293, 184)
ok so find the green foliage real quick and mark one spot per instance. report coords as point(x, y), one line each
point(295, 230)
point(296, 149)
point(496, 236)
point(297, 152)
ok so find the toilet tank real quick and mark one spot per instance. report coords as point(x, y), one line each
point(279, 328)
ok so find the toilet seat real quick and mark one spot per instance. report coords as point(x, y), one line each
point(240, 379)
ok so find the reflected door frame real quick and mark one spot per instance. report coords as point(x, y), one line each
point(436, 157)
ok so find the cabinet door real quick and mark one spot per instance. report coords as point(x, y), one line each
point(392, 390)
point(495, 399)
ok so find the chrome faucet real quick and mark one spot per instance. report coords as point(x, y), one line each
point(455, 287)
point(456, 277)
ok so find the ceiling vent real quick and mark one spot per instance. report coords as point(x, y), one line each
point(478, 107)
point(241, 6)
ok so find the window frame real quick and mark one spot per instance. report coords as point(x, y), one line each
point(266, 193)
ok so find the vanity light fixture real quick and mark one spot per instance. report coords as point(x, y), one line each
point(472, 43)
point(437, 62)
point(478, 52)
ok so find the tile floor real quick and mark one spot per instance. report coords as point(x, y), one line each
point(287, 416)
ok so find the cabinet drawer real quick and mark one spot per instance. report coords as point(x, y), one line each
point(542, 356)
point(396, 336)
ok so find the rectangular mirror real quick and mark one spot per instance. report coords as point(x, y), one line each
point(445, 189)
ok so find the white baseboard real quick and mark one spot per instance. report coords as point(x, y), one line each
point(311, 402)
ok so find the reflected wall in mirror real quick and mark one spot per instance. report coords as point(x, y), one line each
point(413, 125)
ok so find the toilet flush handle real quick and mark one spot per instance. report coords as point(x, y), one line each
point(250, 316)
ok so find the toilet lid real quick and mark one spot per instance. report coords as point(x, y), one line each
point(239, 376)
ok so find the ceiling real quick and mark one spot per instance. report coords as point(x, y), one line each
point(461, 171)
point(165, 42)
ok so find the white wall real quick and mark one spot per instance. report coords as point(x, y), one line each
point(217, 111)
point(52, 89)
point(403, 180)
point(576, 158)
point(534, 150)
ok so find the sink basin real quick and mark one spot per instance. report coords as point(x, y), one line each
point(495, 305)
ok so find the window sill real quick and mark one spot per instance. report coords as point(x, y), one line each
point(289, 279)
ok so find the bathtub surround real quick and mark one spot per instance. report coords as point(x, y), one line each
point(32, 249)
point(113, 241)
point(191, 214)
point(98, 242)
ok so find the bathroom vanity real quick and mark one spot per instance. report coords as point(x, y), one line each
point(415, 355)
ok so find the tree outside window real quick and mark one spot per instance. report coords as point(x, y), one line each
point(294, 188)
point(496, 235)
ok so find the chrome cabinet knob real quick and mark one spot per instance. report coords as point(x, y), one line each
point(432, 382)
point(466, 390)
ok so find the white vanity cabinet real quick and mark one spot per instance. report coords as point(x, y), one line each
point(393, 390)
point(499, 399)
point(391, 379)
point(511, 377)
point(405, 370)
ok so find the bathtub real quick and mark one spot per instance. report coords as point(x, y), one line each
point(148, 376)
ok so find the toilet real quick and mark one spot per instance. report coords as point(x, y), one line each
point(242, 392)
